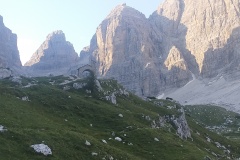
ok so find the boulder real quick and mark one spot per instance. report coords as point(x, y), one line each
point(42, 148)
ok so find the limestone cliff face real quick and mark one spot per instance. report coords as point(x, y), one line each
point(54, 56)
point(208, 30)
point(131, 50)
point(181, 40)
point(178, 73)
point(85, 55)
point(9, 55)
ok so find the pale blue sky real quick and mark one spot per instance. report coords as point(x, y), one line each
point(33, 20)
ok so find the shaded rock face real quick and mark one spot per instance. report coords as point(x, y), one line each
point(9, 55)
point(54, 56)
point(208, 30)
point(131, 50)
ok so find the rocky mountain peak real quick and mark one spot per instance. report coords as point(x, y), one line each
point(54, 56)
point(181, 38)
point(129, 48)
point(171, 7)
point(56, 36)
point(125, 11)
point(168, 16)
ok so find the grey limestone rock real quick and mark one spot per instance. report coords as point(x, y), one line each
point(25, 98)
point(16, 79)
point(206, 30)
point(54, 56)
point(99, 87)
point(128, 48)
point(79, 85)
point(183, 130)
point(4, 73)
point(9, 56)
point(112, 98)
point(84, 55)
point(159, 123)
point(42, 148)
point(182, 39)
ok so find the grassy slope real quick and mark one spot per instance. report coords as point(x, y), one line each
point(62, 120)
point(217, 119)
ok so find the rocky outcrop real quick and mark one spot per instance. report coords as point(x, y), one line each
point(112, 98)
point(178, 122)
point(183, 130)
point(158, 123)
point(131, 50)
point(9, 55)
point(79, 85)
point(54, 56)
point(5, 72)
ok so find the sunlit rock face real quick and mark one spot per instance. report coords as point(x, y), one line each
point(128, 48)
point(208, 30)
point(9, 55)
point(207, 35)
point(54, 56)
point(182, 39)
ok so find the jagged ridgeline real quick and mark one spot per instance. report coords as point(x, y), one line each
point(69, 118)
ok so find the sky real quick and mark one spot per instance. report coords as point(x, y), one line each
point(33, 20)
